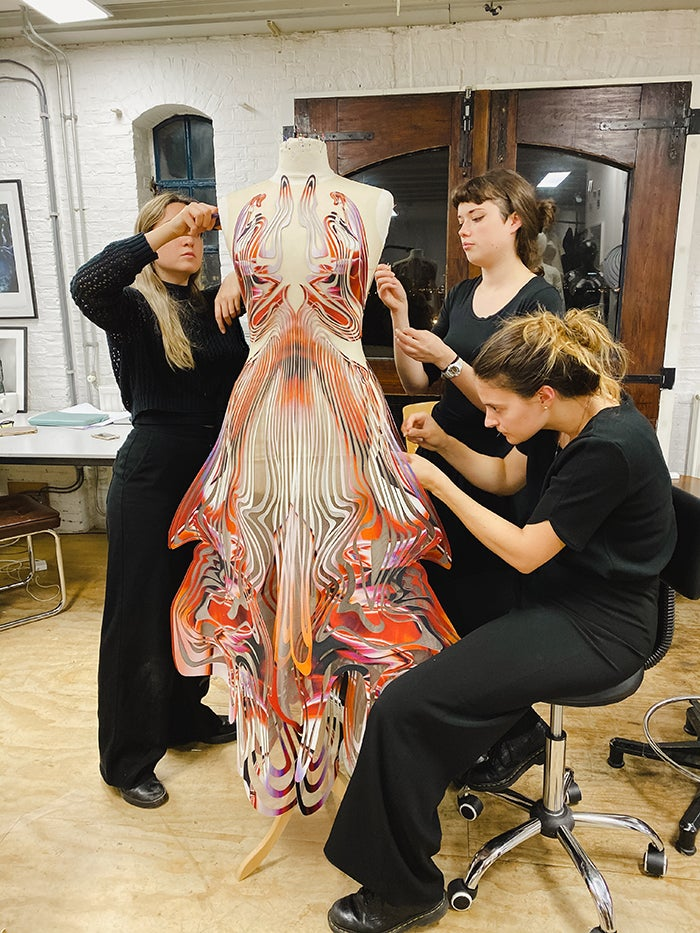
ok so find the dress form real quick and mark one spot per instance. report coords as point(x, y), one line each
point(418, 275)
point(307, 582)
point(301, 159)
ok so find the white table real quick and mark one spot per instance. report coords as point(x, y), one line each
point(63, 446)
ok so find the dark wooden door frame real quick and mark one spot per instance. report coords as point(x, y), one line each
point(640, 127)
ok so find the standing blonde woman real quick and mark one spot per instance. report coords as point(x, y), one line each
point(500, 218)
point(589, 557)
point(175, 362)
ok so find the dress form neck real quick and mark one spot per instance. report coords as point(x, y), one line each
point(300, 157)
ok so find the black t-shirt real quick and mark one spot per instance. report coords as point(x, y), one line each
point(465, 333)
point(607, 495)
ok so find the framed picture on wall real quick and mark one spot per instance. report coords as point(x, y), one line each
point(17, 296)
point(13, 363)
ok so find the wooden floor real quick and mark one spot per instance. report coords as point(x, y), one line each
point(76, 858)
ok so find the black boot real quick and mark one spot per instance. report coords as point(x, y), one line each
point(366, 912)
point(519, 749)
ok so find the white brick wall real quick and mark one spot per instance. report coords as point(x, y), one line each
point(119, 85)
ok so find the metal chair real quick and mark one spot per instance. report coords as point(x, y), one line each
point(684, 578)
point(23, 516)
point(553, 815)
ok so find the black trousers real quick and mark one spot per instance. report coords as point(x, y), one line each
point(144, 704)
point(434, 721)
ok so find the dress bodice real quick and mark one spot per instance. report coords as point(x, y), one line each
point(307, 259)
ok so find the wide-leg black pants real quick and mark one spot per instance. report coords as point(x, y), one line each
point(433, 722)
point(144, 704)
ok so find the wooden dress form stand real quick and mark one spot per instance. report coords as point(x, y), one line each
point(257, 856)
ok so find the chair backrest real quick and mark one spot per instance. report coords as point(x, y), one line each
point(682, 572)
point(412, 409)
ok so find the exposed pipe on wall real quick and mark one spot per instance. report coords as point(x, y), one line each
point(54, 218)
point(74, 187)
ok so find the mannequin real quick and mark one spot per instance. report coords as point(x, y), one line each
point(306, 582)
point(301, 158)
point(418, 276)
point(551, 273)
point(416, 270)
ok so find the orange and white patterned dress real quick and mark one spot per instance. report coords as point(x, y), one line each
point(306, 582)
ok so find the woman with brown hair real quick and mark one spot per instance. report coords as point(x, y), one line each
point(175, 362)
point(500, 218)
point(589, 557)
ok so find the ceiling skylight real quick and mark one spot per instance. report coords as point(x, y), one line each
point(68, 11)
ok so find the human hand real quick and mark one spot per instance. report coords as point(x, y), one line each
point(390, 290)
point(424, 346)
point(427, 474)
point(421, 428)
point(194, 219)
point(227, 304)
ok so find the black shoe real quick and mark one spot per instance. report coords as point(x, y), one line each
point(366, 912)
point(225, 732)
point(508, 759)
point(149, 794)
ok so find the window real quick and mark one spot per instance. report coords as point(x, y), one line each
point(184, 162)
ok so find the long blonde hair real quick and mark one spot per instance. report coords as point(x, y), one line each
point(576, 355)
point(178, 349)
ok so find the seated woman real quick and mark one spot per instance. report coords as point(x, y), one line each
point(601, 530)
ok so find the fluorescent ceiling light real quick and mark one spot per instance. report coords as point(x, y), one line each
point(68, 11)
point(553, 179)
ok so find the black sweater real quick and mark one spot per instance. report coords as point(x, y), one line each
point(147, 382)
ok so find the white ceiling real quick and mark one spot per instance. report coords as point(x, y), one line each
point(149, 19)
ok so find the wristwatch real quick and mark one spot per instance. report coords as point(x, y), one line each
point(454, 369)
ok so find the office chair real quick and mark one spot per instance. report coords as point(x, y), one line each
point(552, 815)
point(23, 516)
point(682, 576)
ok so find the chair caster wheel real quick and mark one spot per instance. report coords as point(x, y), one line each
point(655, 862)
point(573, 794)
point(459, 895)
point(616, 758)
point(685, 843)
point(599, 930)
point(469, 806)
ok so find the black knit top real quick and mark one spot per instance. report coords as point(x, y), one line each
point(149, 385)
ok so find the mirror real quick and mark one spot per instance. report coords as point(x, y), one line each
point(582, 251)
point(415, 246)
